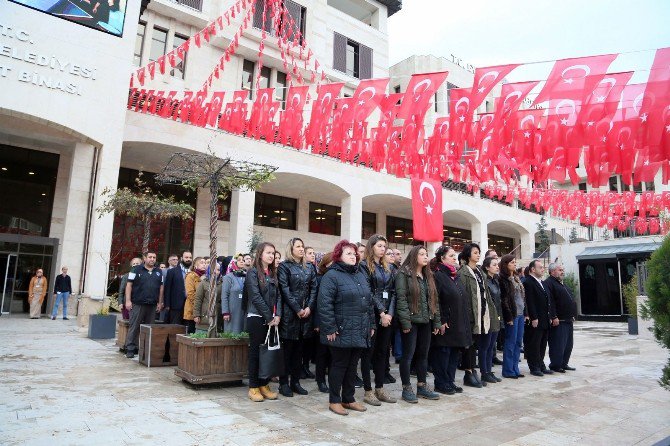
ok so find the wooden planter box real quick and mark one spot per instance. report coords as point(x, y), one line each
point(217, 360)
point(122, 332)
point(101, 326)
point(158, 344)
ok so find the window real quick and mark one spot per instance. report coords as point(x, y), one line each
point(248, 77)
point(179, 71)
point(369, 227)
point(351, 57)
point(264, 81)
point(614, 184)
point(399, 230)
point(649, 186)
point(325, 219)
point(637, 187)
point(435, 99)
point(295, 11)
point(502, 245)
point(139, 40)
point(158, 43)
point(280, 89)
point(582, 186)
point(275, 211)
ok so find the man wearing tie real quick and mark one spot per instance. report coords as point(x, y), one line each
point(561, 333)
point(541, 314)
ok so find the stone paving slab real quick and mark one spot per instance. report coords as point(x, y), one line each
point(60, 388)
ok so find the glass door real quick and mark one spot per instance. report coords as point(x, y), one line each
point(8, 264)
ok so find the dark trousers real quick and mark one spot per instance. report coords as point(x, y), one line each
point(322, 361)
point(342, 374)
point(500, 341)
point(309, 350)
point(380, 354)
point(415, 344)
point(469, 358)
point(190, 326)
point(444, 361)
point(257, 331)
point(176, 317)
point(292, 360)
point(535, 347)
point(366, 363)
point(486, 348)
point(560, 344)
point(140, 314)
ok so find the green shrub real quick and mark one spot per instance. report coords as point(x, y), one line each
point(630, 293)
point(571, 283)
point(235, 336)
point(658, 302)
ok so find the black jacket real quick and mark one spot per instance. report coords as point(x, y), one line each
point(564, 304)
point(298, 287)
point(345, 306)
point(175, 289)
point(381, 280)
point(455, 311)
point(507, 301)
point(63, 284)
point(538, 303)
point(259, 300)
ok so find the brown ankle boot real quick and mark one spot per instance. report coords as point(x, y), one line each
point(337, 408)
point(358, 407)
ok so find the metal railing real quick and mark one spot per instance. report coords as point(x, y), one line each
point(193, 4)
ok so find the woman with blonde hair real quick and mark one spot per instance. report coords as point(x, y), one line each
point(191, 282)
point(297, 286)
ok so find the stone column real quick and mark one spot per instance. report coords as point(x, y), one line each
point(241, 220)
point(352, 218)
point(381, 225)
point(201, 223)
point(480, 235)
point(146, 43)
point(527, 245)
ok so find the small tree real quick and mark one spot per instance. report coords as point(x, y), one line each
point(255, 240)
point(144, 204)
point(543, 238)
point(221, 176)
point(606, 234)
point(571, 283)
point(658, 303)
point(573, 235)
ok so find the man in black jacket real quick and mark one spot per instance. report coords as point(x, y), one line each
point(175, 289)
point(62, 291)
point(560, 333)
point(541, 314)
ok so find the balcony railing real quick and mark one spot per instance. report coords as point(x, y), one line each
point(193, 4)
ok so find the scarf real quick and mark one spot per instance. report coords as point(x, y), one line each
point(451, 270)
point(200, 272)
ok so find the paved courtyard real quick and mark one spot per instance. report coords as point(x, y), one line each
point(60, 388)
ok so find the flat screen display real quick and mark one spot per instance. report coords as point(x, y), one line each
point(103, 15)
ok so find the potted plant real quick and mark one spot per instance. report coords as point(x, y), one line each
point(102, 325)
point(204, 360)
point(630, 293)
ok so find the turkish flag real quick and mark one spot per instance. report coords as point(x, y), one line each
point(485, 80)
point(213, 108)
point(420, 92)
point(322, 110)
point(151, 68)
point(235, 114)
point(427, 210)
point(655, 100)
point(570, 75)
point(459, 113)
point(140, 75)
point(290, 124)
point(367, 97)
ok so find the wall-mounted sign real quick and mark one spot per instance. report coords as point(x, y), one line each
point(103, 15)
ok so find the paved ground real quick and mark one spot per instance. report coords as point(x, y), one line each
point(60, 388)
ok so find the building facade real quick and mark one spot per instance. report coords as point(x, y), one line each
point(66, 136)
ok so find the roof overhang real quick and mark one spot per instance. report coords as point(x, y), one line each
point(614, 252)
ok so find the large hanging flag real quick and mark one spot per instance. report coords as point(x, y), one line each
point(427, 210)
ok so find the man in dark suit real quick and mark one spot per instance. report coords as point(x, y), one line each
point(175, 289)
point(561, 331)
point(541, 314)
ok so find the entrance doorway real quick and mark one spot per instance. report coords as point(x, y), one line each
point(20, 257)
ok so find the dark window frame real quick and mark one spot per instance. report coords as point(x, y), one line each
point(264, 213)
point(323, 216)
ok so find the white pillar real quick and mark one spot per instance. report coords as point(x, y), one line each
point(432, 247)
point(527, 245)
point(352, 218)
point(146, 42)
point(201, 224)
point(241, 220)
point(381, 225)
point(480, 235)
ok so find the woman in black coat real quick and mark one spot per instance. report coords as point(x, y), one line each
point(346, 324)
point(455, 332)
point(382, 285)
point(263, 310)
point(297, 284)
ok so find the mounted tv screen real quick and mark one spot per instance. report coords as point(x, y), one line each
point(103, 15)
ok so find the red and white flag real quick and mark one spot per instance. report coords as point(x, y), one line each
point(427, 210)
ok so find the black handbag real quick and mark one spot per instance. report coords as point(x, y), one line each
point(271, 357)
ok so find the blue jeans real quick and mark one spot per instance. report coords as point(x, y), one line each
point(512, 349)
point(60, 297)
point(486, 348)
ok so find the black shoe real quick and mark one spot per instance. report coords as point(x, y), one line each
point(130, 354)
point(389, 379)
point(323, 387)
point(457, 389)
point(358, 382)
point(122, 349)
point(471, 380)
point(487, 378)
point(285, 390)
point(510, 376)
point(520, 375)
point(536, 373)
point(567, 367)
point(497, 361)
point(445, 390)
point(547, 372)
point(308, 374)
point(557, 370)
point(492, 375)
point(297, 388)
point(66, 319)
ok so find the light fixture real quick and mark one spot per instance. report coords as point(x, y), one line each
point(339, 213)
point(277, 211)
point(44, 195)
point(398, 230)
point(4, 168)
point(283, 219)
point(31, 173)
point(318, 210)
